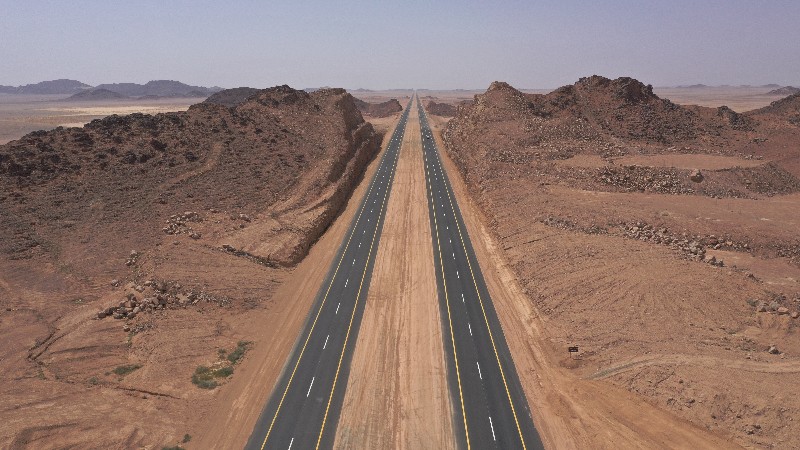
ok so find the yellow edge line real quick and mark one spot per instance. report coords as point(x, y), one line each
point(324, 299)
point(485, 318)
point(355, 307)
point(447, 301)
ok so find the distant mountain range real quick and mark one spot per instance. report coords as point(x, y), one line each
point(62, 86)
point(786, 90)
point(702, 86)
point(83, 91)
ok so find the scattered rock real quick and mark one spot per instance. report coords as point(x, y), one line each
point(134, 255)
point(696, 176)
point(782, 310)
point(773, 350)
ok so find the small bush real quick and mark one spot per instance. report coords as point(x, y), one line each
point(203, 378)
point(223, 372)
point(187, 438)
point(177, 447)
point(126, 369)
point(239, 351)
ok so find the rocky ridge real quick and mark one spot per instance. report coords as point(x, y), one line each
point(655, 257)
point(384, 109)
point(441, 109)
point(282, 149)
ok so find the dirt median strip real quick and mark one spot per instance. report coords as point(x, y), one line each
point(397, 392)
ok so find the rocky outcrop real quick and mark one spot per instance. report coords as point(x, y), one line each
point(292, 156)
point(384, 109)
point(96, 94)
point(441, 109)
point(231, 97)
point(786, 90)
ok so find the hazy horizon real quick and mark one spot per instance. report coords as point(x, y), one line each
point(446, 45)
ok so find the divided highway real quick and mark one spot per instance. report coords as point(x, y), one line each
point(304, 407)
point(490, 405)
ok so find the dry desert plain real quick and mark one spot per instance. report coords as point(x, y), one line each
point(569, 260)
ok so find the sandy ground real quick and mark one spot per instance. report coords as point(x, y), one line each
point(679, 161)
point(21, 114)
point(397, 394)
point(569, 411)
point(739, 99)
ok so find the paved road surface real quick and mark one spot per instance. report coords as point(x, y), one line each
point(304, 407)
point(490, 405)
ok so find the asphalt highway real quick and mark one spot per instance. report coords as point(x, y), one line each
point(490, 405)
point(304, 407)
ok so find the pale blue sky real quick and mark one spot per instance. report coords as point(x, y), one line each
point(436, 44)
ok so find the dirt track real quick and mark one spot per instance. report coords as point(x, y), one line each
point(397, 392)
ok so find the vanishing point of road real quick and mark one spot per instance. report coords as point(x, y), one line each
point(489, 406)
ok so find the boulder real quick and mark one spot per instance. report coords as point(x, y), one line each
point(773, 350)
point(696, 176)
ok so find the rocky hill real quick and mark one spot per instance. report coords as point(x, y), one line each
point(231, 97)
point(612, 206)
point(262, 146)
point(611, 118)
point(96, 94)
point(441, 109)
point(787, 108)
point(158, 88)
point(136, 247)
point(786, 90)
point(384, 109)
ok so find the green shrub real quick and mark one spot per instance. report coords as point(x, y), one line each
point(239, 351)
point(203, 378)
point(223, 372)
point(126, 369)
point(187, 438)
